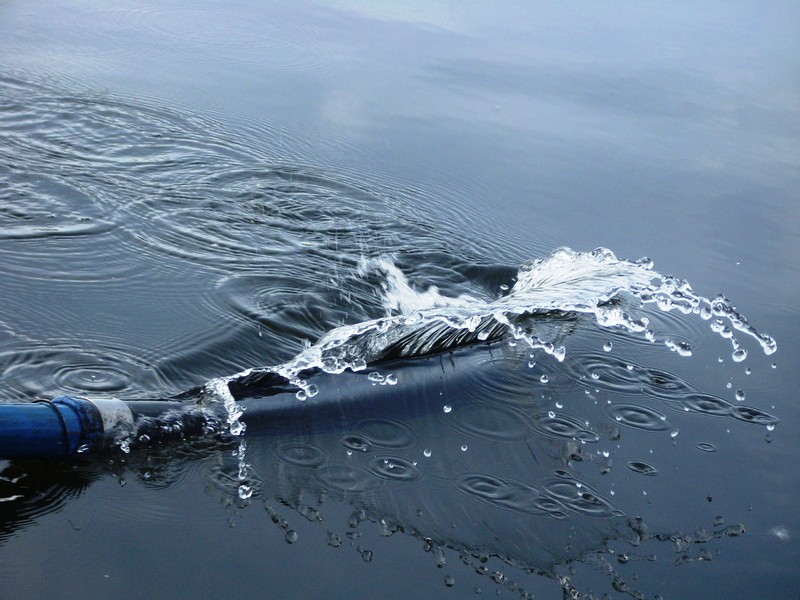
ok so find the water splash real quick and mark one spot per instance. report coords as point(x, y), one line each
point(616, 293)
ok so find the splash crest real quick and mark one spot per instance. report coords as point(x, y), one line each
point(547, 292)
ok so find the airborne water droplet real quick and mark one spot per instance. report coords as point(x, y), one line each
point(739, 355)
point(544, 379)
point(607, 346)
point(427, 452)
point(447, 408)
point(740, 395)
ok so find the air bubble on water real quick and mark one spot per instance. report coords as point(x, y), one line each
point(449, 581)
point(291, 536)
point(607, 346)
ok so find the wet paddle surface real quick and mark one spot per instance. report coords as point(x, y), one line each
point(366, 203)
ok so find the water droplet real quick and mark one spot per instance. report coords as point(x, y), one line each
point(427, 452)
point(334, 540)
point(544, 379)
point(291, 536)
point(748, 370)
point(771, 427)
point(559, 405)
point(245, 491)
point(774, 365)
point(447, 408)
point(301, 395)
point(390, 379)
point(449, 581)
point(674, 433)
point(607, 346)
point(366, 555)
point(551, 414)
point(464, 448)
point(739, 355)
point(740, 395)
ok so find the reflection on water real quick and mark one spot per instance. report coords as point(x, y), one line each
point(569, 427)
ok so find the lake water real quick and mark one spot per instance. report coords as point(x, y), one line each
point(189, 190)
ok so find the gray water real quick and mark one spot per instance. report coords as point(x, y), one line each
point(190, 190)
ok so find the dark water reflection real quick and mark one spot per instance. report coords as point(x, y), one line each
point(187, 191)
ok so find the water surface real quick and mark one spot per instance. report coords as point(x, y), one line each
point(187, 192)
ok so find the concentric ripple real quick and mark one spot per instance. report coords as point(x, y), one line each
point(638, 417)
point(393, 467)
point(561, 425)
point(301, 455)
point(504, 494)
point(48, 371)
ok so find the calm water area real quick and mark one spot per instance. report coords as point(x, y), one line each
point(192, 189)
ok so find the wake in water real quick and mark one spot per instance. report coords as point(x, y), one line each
point(614, 292)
